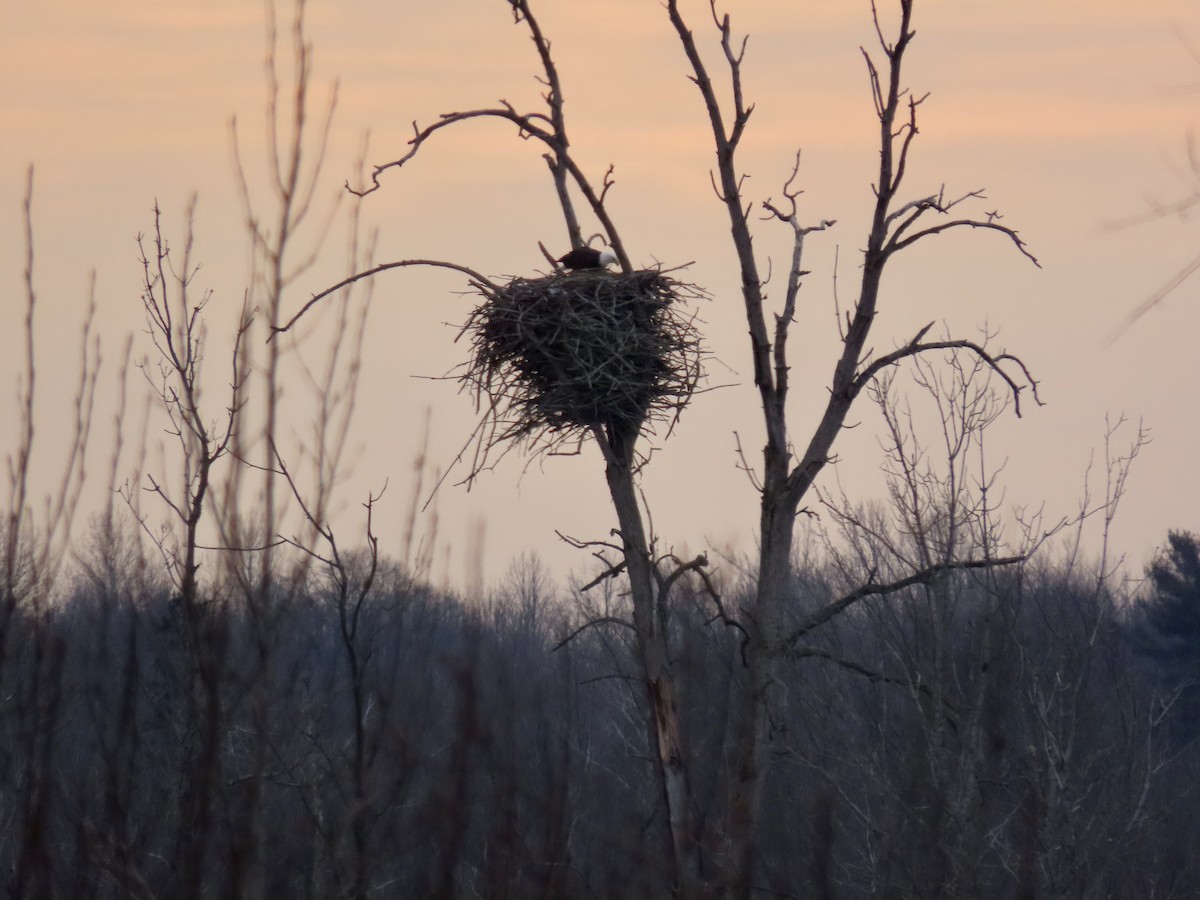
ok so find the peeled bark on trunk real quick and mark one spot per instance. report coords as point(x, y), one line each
point(651, 635)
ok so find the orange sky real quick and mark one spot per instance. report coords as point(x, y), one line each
point(1070, 113)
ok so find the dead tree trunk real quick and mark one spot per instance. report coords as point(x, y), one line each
point(784, 481)
point(786, 475)
point(651, 628)
point(648, 588)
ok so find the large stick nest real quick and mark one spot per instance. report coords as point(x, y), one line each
point(554, 357)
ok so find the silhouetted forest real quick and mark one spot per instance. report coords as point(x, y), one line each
point(1025, 733)
point(213, 693)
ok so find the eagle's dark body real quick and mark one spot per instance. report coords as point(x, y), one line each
point(587, 258)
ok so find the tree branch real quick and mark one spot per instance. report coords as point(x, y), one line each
point(796, 273)
point(526, 125)
point(591, 623)
point(894, 244)
point(481, 281)
point(872, 675)
point(804, 474)
point(550, 129)
point(925, 576)
point(917, 346)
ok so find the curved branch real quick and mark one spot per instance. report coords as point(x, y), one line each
point(481, 281)
point(896, 244)
point(603, 620)
point(681, 568)
point(557, 158)
point(924, 576)
point(699, 565)
point(525, 124)
point(917, 346)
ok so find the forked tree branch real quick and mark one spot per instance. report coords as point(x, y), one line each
point(589, 545)
point(915, 209)
point(549, 128)
point(796, 273)
point(886, 238)
point(699, 565)
point(666, 583)
point(728, 183)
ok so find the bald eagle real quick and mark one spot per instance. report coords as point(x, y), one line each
point(588, 258)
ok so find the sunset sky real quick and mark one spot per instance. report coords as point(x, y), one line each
point(1073, 115)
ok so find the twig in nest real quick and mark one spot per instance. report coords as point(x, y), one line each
point(553, 358)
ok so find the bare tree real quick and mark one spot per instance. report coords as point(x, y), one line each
point(651, 575)
point(944, 641)
point(294, 163)
point(287, 223)
point(176, 326)
point(350, 590)
point(175, 323)
point(34, 541)
point(788, 473)
point(33, 548)
point(1077, 821)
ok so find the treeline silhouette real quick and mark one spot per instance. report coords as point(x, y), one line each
point(1010, 733)
point(212, 696)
